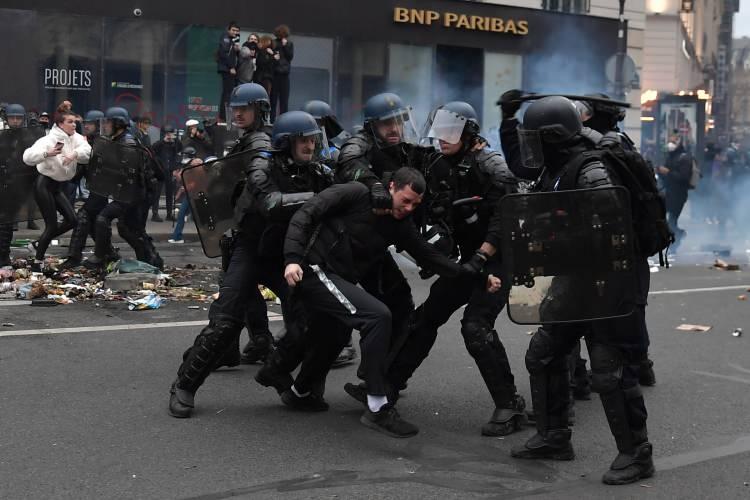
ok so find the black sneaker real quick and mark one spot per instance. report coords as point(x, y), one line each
point(389, 422)
point(311, 402)
point(347, 355)
point(70, 264)
point(181, 402)
point(357, 391)
point(156, 218)
point(269, 376)
point(630, 467)
point(257, 350)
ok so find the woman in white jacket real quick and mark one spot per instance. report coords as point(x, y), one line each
point(55, 157)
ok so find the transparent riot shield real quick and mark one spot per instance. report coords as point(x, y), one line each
point(569, 255)
point(16, 178)
point(115, 170)
point(210, 187)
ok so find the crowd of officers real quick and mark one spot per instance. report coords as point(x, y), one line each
point(314, 220)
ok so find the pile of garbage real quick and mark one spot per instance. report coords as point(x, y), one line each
point(140, 285)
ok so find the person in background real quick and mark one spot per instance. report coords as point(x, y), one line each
point(675, 175)
point(226, 64)
point(166, 151)
point(196, 137)
point(143, 124)
point(283, 53)
point(189, 159)
point(246, 67)
point(44, 120)
point(265, 63)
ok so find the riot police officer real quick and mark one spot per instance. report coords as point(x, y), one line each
point(92, 123)
point(15, 117)
point(129, 216)
point(276, 184)
point(604, 118)
point(551, 139)
point(323, 114)
point(465, 182)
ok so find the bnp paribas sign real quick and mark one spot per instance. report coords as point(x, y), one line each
point(460, 21)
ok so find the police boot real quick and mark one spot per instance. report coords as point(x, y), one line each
point(257, 349)
point(630, 467)
point(508, 420)
point(197, 363)
point(274, 373)
point(347, 355)
point(102, 243)
point(77, 241)
point(133, 239)
point(553, 444)
point(531, 416)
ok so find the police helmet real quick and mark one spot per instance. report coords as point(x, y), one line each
point(384, 106)
point(118, 116)
point(188, 153)
point(601, 116)
point(323, 114)
point(93, 115)
point(555, 118)
point(15, 110)
point(252, 94)
point(465, 110)
point(167, 129)
point(293, 124)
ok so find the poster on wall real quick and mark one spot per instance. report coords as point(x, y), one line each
point(680, 119)
point(73, 78)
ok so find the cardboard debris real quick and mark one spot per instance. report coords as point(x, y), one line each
point(742, 297)
point(725, 266)
point(686, 327)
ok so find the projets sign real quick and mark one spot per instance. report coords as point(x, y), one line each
point(67, 79)
point(460, 21)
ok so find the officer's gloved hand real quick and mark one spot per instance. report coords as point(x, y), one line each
point(381, 198)
point(509, 103)
point(468, 213)
point(475, 265)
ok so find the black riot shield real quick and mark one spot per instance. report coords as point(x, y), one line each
point(16, 178)
point(210, 187)
point(115, 170)
point(569, 255)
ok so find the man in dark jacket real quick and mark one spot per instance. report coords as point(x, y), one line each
point(166, 151)
point(675, 175)
point(226, 64)
point(325, 265)
point(283, 53)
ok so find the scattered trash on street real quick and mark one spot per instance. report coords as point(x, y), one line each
point(737, 332)
point(685, 327)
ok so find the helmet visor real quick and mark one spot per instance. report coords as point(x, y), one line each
point(310, 146)
point(443, 125)
point(395, 128)
point(530, 144)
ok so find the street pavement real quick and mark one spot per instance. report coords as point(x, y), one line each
point(83, 414)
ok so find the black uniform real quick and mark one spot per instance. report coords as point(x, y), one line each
point(349, 245)
point(615, 346)
point(167, 153)
point(130, 218)
point(274, 188)
point(483, 174)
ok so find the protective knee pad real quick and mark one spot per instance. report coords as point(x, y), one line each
point(540, 356)
point(606, 368)
point(478, 337)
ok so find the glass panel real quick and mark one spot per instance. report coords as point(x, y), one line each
point(502, 72)
point(410, 76)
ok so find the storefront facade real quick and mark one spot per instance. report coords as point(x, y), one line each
point(162, 62)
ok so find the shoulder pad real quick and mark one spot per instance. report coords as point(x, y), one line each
point(355, 147)
point(595, 174)
point(254, 141)
point(591, 135)
point(610, 139)
point(492, 163)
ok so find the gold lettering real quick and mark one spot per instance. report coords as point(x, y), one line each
point(523, 27)
point(510, 26)
point(400, 15)
point(449, 19)
point(432, 16)
point(497, 25)
point(416, 16)
point(477, 22)
point(463, 22)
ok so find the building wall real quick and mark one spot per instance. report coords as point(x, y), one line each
point(636, 17)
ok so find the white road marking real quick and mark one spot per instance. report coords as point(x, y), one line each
point(111, 328)
point(725, 377)
point(697, 290)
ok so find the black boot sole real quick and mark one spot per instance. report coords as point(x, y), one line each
point(372, 425)
point(561, 455)
point(643, 475)
point(178, 412)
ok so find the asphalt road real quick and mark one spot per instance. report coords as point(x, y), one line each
point(84, 415)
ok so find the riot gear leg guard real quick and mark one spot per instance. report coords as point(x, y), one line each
point(198, 361)
point(626, 414)
point(78, 240)
point(550, 394)
point(488, 352)
point(6, 237)
point(102, 239)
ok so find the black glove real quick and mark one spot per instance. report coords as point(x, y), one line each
point(381, 198)
point(509, 102)
point(475, 265)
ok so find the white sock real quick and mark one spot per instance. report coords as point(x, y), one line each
point(376, 402)
point(300, 395)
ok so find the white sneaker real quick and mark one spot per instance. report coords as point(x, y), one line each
point(176, 241)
